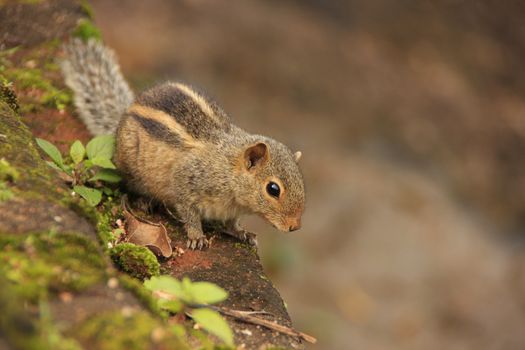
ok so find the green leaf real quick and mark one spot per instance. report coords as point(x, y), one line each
point(170, 305)
point(207, 293)
point(53, 165)
point(51, 151)
point(88, 164)
point(68, 169)
point(107, 175)
point(107, 191)
point(213, 322)
point(170, 286)
point(186, 284)
point(103, 163)
point(166, 284)
point(91, 195)
point(178, 330)
point(102, 146)
point(77, 152)
point(116, 233)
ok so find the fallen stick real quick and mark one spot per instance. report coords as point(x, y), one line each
point(244, 316)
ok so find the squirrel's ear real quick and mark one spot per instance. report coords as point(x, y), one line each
point(255, 155)
point(297, 155)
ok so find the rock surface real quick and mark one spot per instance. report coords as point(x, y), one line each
point(60, 284)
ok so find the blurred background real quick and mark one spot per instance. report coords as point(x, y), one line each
point(411, 119)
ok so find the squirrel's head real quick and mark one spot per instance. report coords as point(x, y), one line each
point(273, 185)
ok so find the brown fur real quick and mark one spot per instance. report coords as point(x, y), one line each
point(213, 170)
point(180, 148)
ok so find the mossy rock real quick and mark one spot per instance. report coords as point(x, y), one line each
point(48, 264)
point(135, 260)
point(126, 330)
point(23, 330)
point(35, 175)
point(39, 264)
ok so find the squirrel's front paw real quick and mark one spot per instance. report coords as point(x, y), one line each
point(197, 243)
point(249, 237)
point(243, 235)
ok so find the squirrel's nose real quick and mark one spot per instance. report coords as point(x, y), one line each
point(295, 226)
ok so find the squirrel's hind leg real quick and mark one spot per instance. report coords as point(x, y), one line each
point(193, 228)
point(233, 228)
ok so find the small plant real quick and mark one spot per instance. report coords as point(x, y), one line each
point(88, 169)
point(192, 298)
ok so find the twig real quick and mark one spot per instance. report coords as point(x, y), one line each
point(248, 313)
point(246, 317)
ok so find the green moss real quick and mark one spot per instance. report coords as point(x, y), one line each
point(28, 78)
point(45, 263)
point(23, 329)
point(33, 177)
point(32, 78)
point(135, 260)
point(16, 135)
point(86, 7)
point(104, 222)
point(80, 207)
point(5, 192)
point(16, 325)
point(7, 171)
point(27, 75)
point(246, 246)
point(115, 331)
point(52, 44)
point(86, 30)
point(50, 335)
point(51, 66)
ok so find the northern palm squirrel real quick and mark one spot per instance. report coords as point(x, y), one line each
point(180, 148)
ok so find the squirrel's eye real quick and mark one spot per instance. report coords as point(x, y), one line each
point(273, 189)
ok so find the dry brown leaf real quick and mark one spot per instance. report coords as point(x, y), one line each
point(152, 236)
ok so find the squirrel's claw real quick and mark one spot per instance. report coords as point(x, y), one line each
point(197, 243)
point(243, 235)
point(249, 237)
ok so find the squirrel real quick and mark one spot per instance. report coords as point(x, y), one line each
point(180, 148)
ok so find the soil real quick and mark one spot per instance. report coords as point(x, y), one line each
point(236, 267)
point(58, 127)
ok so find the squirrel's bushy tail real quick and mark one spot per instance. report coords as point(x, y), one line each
point(102, 95)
